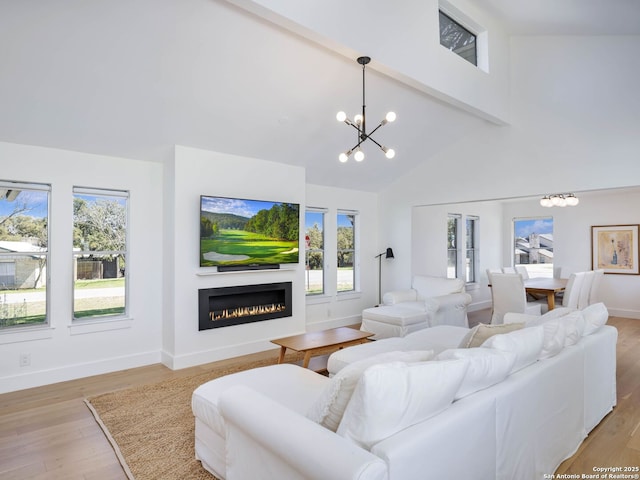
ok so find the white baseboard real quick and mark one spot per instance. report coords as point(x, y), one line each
point(621, 312)
point(73, 372)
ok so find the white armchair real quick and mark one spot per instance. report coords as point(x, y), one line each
point(431, 301)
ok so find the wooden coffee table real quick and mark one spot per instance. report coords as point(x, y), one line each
point(314, 343)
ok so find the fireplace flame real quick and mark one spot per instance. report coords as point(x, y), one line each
point(246, 311)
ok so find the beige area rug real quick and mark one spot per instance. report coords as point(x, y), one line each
point(151, 427)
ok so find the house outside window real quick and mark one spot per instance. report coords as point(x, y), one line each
point(314, 251)
point(346, 251)
point(533, 245)
point(100, 231)
point(458, 38)
point(24, 254)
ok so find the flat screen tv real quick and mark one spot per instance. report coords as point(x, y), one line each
point(242, 234)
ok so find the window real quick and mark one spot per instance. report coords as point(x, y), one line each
point(458, 39)
point(99, 253)
point(314, 255)
point(533, 245)
point(24, 254)
point(472, 248)
point(346, 249)
point(453, 233)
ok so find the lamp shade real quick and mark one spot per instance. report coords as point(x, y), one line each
point(389, 253)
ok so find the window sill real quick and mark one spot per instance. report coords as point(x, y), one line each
point(349, 295)
point(25, 334)
point(83, 327)
point(317, 299)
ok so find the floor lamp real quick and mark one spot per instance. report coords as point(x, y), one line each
point(387, 254)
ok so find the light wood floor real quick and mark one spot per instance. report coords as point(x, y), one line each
point(49, 433)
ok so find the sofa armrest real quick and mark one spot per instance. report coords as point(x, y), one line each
point(453, 300)
point(398, 296)
point(281, 443)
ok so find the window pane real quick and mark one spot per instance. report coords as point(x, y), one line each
point(471, 239)
point(346, 252)
point(99, 289)
point(452, 246)
point(457, 39)
point(533, 245)
point(99, 257)
point(24, 211)
point(23, 292)
point(314, 258)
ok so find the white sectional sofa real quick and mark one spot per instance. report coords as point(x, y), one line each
point(431, 301)
point(515, 407)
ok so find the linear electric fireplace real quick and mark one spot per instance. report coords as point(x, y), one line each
point(222, 307)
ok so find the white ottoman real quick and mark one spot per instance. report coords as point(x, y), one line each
point(393, 321)
point(290, 385)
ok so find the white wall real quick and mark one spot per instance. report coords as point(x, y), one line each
point(572, 239)
point(60, 352)
point(331, 310)
point(574, 127)
point(429, 245)
point(199, 172)
point(360, 27)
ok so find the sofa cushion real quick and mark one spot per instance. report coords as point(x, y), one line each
point(428, 287)
point(574, 327)
point(329, 407)
point(595, 316)
point(391, 397)
point(526, 343)
point(486, 367)
point(481, 332)
point(555, 333)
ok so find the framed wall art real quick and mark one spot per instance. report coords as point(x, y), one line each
point(614, 248)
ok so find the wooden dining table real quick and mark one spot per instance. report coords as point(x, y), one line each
point(547, 287)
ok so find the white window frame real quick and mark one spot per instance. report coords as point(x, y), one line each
point(472, 266)
point(465, 21)
point(356, 250)
point(40, 187)
point(323, 212)
point(107, 193)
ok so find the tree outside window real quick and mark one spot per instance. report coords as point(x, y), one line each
point(314, 253)
point(24, 254)
point(99, 253)
point(346, 252)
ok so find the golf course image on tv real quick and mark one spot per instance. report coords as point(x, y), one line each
point(241, 232)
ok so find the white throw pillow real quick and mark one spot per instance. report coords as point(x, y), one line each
point(595, 316)
point(329, 407)
point(526, 343)
point(486, 367)
point(555, 333)
point(574, 327)
point(391, 397)
point(479, 334)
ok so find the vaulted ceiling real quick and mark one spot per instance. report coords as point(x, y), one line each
point(133, 78)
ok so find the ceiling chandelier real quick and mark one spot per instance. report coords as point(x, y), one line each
point(559, 200)
point(360, 124)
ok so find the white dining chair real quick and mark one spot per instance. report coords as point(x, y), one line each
point(572, 290)
point(508, 295)
point(585, 289)
point(594, 294)
point(508, 270)
point(491, 271)
point(522, 270)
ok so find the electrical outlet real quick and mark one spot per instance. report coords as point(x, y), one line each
point(25, 359)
